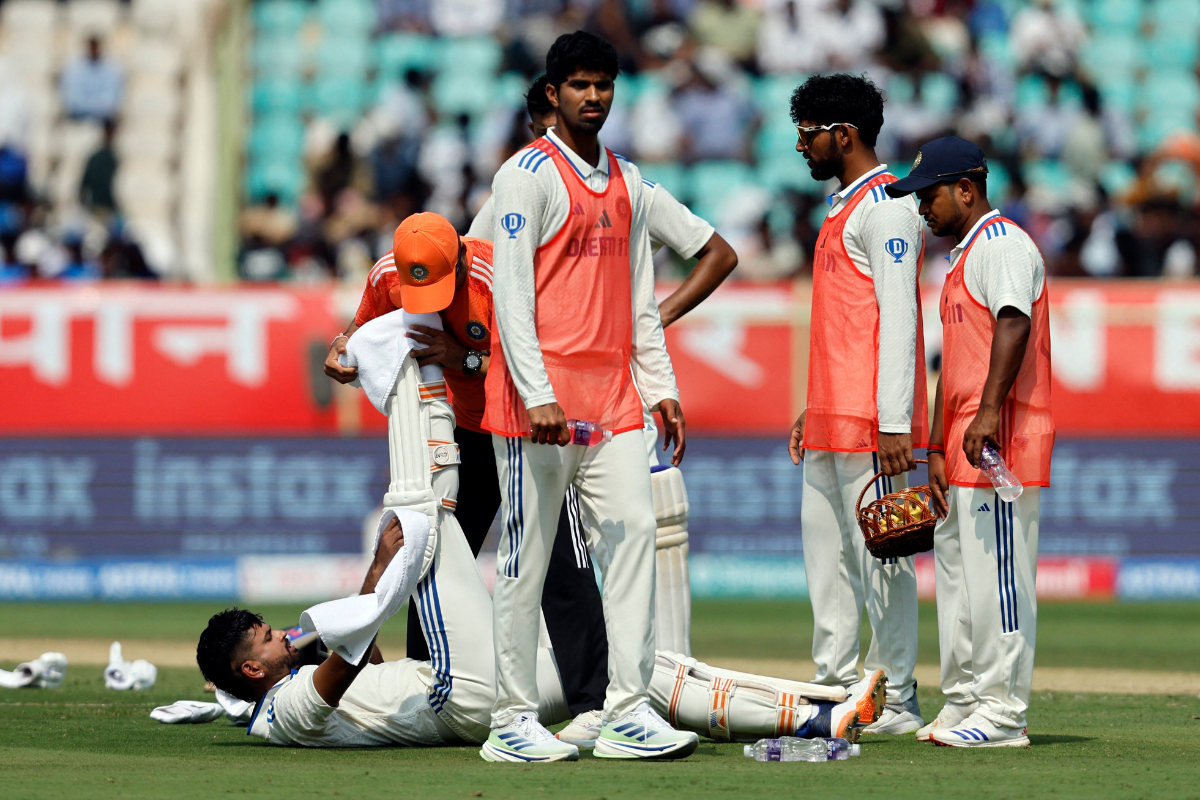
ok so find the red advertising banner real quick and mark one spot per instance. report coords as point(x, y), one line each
point(135, 359)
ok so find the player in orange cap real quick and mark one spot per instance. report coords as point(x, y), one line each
point(432, 269)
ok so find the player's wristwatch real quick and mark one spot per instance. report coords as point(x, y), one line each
point(472, 362)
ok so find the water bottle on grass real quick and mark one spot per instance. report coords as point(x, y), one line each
point(1007, 485)
point(790, 748)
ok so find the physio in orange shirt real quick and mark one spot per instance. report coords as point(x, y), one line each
point(432, 269)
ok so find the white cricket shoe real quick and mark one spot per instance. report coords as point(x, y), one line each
point(644, 734)
point(524, 740)
point(975, 731)
point(584, 730)
point(950, 715)
point(898, 718)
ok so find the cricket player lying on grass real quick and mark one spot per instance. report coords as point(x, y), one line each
point(448, 700)
point(355, 699)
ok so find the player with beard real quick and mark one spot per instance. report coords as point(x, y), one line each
point(866, 407)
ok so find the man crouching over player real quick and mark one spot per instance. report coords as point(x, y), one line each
point(448, 701)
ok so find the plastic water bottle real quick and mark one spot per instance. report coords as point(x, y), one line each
point(1007, 485)
point(587, 433)
point(790, 748)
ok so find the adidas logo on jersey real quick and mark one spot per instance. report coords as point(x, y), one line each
point(604, 222)
point(577, 210)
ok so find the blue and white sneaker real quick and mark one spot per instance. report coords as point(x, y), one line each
point(975, 731)
point(524, 740)
point(644, 734)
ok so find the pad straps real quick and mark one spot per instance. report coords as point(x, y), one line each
point(718, 708)
point(785, 720)
point(442, 454)
point(434, 390)
point(681, 671)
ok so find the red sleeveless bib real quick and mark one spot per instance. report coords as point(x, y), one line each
point(1026, 425)
point(843, 352)
point(584, 312)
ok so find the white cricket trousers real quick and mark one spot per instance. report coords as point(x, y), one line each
point(985, 553)
point(843, 576)
point(614, 491)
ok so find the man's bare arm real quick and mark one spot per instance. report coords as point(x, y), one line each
point(333, 367)
point(1008, 351)
point(716, 260)
point(334, 677)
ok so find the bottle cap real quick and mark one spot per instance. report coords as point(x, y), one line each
point(747, 750)
point(856, 749)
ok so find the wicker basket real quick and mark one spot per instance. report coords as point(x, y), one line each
point(898, 524)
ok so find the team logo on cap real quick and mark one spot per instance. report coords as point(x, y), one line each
point(418, 272)
point(512, 223)
point(476, 330)
point(918, 160)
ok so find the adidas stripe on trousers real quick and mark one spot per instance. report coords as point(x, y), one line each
point(985, 553)
point(843, 577)
point(613, 482)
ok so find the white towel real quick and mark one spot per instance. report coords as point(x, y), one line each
point(348, 626)
point(187, 712)
point(121, 674)
point(239, 711)
point(378, 349)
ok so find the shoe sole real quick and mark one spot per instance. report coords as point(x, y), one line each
point(873, 700)
point(1022, 742)
point(584, 744)
point(607, 748)
point(495, 755)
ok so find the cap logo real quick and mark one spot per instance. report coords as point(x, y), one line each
point(918, 160)
point(418, 272)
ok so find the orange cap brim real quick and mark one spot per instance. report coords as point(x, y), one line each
point(426, 299)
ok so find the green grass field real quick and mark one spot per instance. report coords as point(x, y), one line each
point(83, 741)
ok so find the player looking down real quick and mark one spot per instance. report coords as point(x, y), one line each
point(866, 408)
point(994, 389)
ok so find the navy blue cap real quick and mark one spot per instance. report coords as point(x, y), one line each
point(945, 159)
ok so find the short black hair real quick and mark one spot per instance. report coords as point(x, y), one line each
point(572, 52)
point(226, 632)
point(826, 99)
point(536, 102)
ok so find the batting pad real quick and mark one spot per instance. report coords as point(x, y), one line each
point(728, 706)
point(673, 592)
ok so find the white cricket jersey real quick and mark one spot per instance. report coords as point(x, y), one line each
point(877, 220)
point(670, 222)
point(533, 189)
point(1004, 268)
point(387, 704)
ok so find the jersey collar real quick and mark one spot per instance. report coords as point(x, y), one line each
point(962, 246)
point(261, 727)
point(838, 198)
point(581, 167)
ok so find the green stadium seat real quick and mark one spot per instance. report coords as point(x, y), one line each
point(774, 93)
point(280, 134)
point(1117, 176)
point(276, 56)
point(341, 99)
point(1121, 95)
point(939, 92)
point(787, 170)
point(345, 55)
point(1049, 173)
point(279, 17)
point(670, 174)
point(1181, 16)
point(1112, 56)
point(900, 88)
point(1160, 125)
point(346, 15)
point(1170, 91)
point(1172, 49)
point(998, 182)
point(775, 137)
point(998, 49)
point(462, 93)
point(1031, 92)
point(712, 181)
point(510, 88)
point(283, 176)
point(471, 56)
point(1116, 15)
point(277, 94)
point(399, 52)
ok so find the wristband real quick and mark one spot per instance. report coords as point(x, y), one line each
point(937, 450)
point(339, 336)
